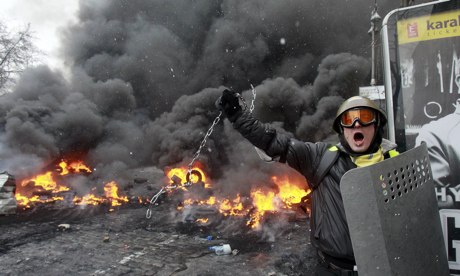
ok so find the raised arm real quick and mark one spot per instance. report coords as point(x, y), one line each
point(281, 147)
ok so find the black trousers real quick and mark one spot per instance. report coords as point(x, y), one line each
point(322, 270)
point(326, 267)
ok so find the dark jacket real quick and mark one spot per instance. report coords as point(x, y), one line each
point(329, 229)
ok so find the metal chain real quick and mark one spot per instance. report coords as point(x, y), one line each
point(203, 142)
point(154, 199)
point(251, 108)
point(253, 99)
point(215, 122)
point(152, 202)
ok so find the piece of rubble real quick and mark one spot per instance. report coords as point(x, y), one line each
point(8, 204)
point(64, 227)
point(224, 249)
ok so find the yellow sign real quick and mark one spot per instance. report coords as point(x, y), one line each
point(436, 26)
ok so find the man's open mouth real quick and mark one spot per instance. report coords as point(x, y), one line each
point(358, 137)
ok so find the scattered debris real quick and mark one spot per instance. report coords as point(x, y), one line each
point(63, 227)
point(224, 249)
point(8, 203)
point(30, 239)
point(132, 256)
point(208, 238)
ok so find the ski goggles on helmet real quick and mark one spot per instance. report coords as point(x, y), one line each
point(364, 116)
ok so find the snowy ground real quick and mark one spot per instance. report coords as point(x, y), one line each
point(124, 242)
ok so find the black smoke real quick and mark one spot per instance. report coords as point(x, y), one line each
point(145, 74)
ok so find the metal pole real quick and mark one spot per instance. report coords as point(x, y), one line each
point(373, 59)
point(375, 28)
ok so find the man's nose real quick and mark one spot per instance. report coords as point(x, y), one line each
point(356, 123)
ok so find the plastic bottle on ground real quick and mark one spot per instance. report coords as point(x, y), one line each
point(224, 249)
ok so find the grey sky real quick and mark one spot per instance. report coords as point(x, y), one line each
point(45, 17)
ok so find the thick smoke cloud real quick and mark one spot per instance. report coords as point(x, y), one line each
point(145, 76)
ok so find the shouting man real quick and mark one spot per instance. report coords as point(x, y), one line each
point(360, 125)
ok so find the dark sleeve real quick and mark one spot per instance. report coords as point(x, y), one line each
point(299, 155)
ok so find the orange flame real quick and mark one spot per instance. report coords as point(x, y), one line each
point(27, 201)
point(45, 181)
point(181, 174)
point(232, 207)
point(89, 199)
point(289, 192)
point(111, 197)
point(26, 194)
point(74, 166)
point(262, 202)
point(202, 220)
point(111, 192)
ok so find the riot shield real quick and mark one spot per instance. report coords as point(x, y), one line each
point(393, 217)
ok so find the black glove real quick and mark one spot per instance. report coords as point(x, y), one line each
point(229, 104)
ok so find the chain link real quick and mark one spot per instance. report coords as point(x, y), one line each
point(154, 199)
point(152, 202)
point(203, 142)
point(251, 107)
point(253, 99)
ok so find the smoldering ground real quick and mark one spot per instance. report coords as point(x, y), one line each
point(145, 75)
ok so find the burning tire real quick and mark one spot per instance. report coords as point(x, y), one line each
point(197, 174)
